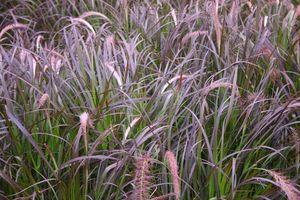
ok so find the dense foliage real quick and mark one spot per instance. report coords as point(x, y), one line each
point(159, 99)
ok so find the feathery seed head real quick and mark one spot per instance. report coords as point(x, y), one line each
point(174, 172)
point(285, 185)
point(84, 118)
point(142, 178)
point(44, 98)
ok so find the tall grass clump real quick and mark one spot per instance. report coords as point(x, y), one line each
point(149, 99)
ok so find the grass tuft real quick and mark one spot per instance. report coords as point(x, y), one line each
point(86, 86)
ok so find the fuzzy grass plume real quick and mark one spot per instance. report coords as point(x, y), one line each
point(174, 172)
point(142, 179)
point(285, 185)
point(43, 100)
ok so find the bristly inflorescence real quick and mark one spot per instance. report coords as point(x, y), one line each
point(174, 172)
point(285, 185)
point(142, 179)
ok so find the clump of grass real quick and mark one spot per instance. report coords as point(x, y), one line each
point(214, 81)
